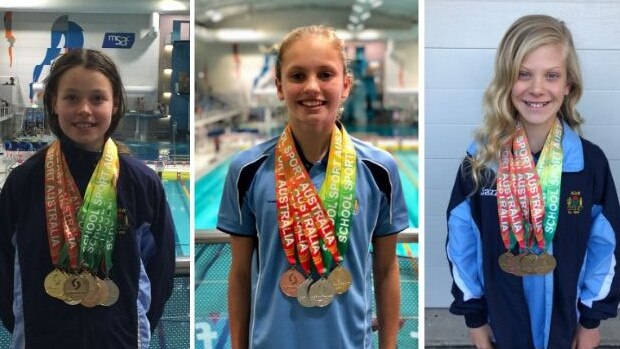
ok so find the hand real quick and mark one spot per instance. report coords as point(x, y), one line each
point(481, 337)
point(586, 338)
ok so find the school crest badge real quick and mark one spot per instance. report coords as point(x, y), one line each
point(574, 203)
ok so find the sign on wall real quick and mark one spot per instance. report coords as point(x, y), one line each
point(118, 40)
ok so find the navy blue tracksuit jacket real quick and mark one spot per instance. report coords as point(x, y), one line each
point(143, 260)
point(539, 311)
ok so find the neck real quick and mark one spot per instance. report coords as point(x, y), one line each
point(537, 135)
point(313, 143)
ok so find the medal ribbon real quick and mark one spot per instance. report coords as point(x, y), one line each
point(537, 192)
point(304, 209)
point(62, 229)
point(83, 230)
point(338, 190)
point(98, 215)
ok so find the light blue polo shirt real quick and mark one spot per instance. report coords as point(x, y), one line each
point(248, 209)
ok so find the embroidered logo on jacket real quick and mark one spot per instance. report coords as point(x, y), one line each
point(574, 203)
point(122, 221)
point(488, 192)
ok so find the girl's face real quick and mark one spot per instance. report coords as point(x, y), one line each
point(313, 83)
point(541, 86)
point(84, 104)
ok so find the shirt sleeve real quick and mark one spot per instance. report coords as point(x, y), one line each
point(161, 266)
point(235, 216)
point(393, 216)
point(462, 247)
point(600, 289)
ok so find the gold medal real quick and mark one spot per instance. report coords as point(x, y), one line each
point(54, 283)
point(104, 291)
point(113, 293)
point(517, 269)
point(290, 281)
point(340, 278)
point(75, 288)
point(302, 294)
point(507, 262)
point(321, 293)
point(545, 264)
point(528, 264)
point(92, 297)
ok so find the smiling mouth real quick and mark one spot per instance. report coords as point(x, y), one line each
point(84, 125)
point(312, 104)
point(536, 104)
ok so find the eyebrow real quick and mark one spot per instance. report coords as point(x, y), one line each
point(324, 66)
point(74, 90)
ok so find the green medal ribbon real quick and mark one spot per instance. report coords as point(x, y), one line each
point(338, 190)
point(97, 217)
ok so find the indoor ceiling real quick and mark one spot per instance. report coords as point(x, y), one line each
point(283, 15)
point(98, 6)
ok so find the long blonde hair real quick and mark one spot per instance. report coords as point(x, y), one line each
point(525, 35)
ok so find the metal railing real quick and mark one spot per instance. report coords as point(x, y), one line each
point(204, 236)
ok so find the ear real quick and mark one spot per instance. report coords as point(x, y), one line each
point(347, 83)
point(279, 89)
point(567, 89)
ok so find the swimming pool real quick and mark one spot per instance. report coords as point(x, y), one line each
point(177, 195)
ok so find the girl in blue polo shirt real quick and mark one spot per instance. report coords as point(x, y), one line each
point(307, 205)
point(533, 220)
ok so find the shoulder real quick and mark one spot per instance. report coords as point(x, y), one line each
point(592, 152)
point(23, 173)
point(137, 171)
point(253, 156)
point(368, 153)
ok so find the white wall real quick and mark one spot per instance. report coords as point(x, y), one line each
point(138, 65)
point(461, 39)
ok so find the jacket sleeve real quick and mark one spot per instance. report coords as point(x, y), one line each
point(600, 286)
point(161, 266)
point(8, 220)
point(464, 255)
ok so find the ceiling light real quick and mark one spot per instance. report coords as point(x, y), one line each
point(369, 35)
point(364, 16)
point(376, 3)
point(357, 8)
point(168, 47)
point(239, 35)
point(345, 35)
point(359, 27)
point(351, 27)
point(354, 19)
point(172, 5)
point(167, 94)
point(168, 71)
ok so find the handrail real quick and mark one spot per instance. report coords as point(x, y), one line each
point(182, 266)
point(212, 236)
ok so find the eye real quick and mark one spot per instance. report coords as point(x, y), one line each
point(326, 75)
point(524, 75)
point(98, 99)
point(69, 98)
point(553, 76)
point(296, 77)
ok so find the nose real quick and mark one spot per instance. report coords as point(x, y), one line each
point(84, 107)
point(311, 85)
point(537, 87)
